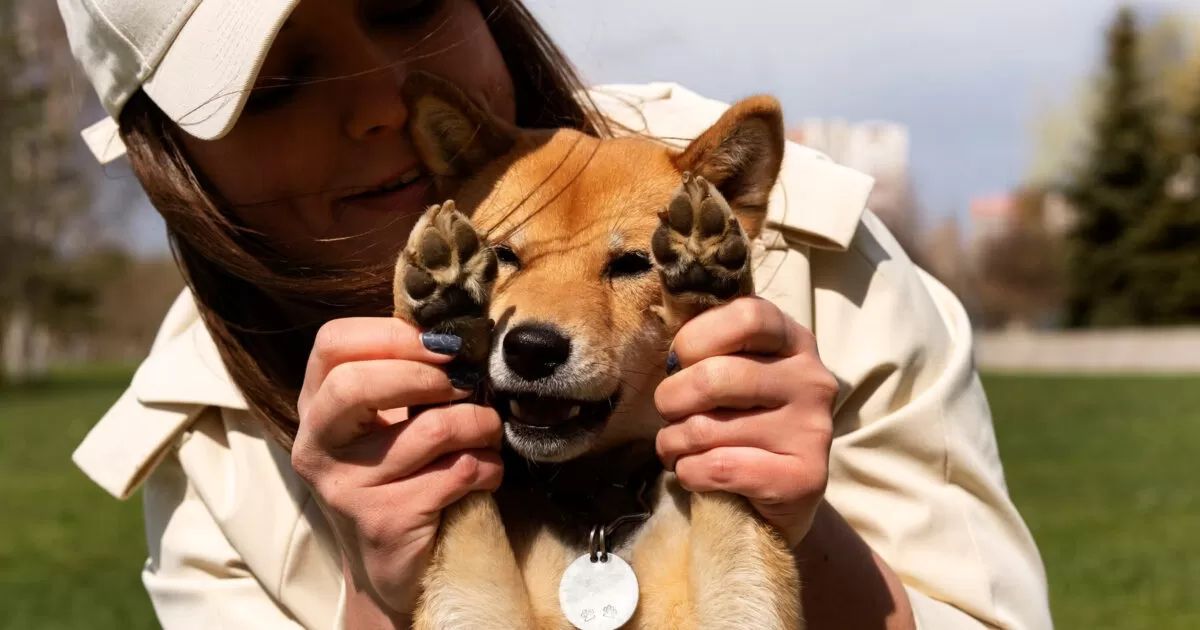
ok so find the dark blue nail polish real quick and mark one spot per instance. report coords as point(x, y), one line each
point(442, 344)
point(464, 378)
point(672, 363)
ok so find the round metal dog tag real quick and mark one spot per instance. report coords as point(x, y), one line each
point(598, 595)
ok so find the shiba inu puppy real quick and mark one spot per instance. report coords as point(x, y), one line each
point(567, 263)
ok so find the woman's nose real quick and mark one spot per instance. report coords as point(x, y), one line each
point(374, 105)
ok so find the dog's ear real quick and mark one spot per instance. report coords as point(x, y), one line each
point(454, 136)
point(741, 155)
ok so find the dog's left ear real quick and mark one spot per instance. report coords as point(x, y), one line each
point(741, 155)
point(454, 136)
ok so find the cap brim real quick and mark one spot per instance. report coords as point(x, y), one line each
point(204, 79)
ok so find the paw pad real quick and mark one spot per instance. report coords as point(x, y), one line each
point(700, 248)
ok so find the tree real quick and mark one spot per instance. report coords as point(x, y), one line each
point(1122, 178)
point(43, 193)
point(1169, 58)
point(1166, 268)
point(1021, 271)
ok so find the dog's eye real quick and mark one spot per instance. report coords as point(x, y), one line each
point(507, 256)
point(629, 264)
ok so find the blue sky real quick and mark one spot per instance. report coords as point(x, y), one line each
point(966, 76)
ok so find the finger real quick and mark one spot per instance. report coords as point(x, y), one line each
point(450, 478)
point(729, 382)
point(747, 325)
point(403, 449)
point(368, 338)
point(765, 478)
point(346, 405)
point(419, 498)
point(775, 430)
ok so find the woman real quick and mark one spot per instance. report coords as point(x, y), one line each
point(270, 136)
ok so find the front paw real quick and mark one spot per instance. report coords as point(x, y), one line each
point(444, 279)
point(701, 250)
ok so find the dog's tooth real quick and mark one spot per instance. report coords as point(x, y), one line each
point(573, 412)
point(514, 408)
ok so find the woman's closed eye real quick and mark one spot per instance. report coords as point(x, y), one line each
point(274, 91)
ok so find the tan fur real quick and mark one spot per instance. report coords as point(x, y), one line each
point(566, 201)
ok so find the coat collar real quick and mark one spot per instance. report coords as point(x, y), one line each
point(182, 376)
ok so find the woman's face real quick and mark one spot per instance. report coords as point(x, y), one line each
point(322, 166)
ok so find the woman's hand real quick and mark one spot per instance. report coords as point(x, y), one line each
point(750, 412)
point(386, 477)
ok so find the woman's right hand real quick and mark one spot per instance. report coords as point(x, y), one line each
point(386, 477)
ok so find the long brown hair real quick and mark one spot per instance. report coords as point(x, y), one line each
point(262, 310)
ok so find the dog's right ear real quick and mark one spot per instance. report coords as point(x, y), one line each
point(453, 135)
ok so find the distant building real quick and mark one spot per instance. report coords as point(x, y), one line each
point(992, 216)
point(878, 148)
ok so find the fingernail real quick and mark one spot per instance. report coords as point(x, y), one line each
point(464, 378)
point(442, 344)
point(672, 363)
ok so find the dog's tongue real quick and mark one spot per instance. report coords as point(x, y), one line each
point(542, 412)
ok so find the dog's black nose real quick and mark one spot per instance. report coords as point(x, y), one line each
point(534, 351)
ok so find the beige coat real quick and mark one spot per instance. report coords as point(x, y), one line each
point(236, 542)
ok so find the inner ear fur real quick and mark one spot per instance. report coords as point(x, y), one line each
point(453, 135)
point(741, 155)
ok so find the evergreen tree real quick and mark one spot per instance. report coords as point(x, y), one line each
point(1166, 244)
point(1121, 181)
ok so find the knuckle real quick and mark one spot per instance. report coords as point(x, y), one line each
point(826, 383)
point(698, 432)
point(436, 428)
point(305, 463)
point(752, 315)
point(329, 338)
point(721, 469)
point(343, 386)
point(466, 470)
point(709, 375)
point(490, 474)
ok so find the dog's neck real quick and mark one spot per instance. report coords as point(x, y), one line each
point(594, 489)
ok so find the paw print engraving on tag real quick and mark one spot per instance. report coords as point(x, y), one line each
point(588, 614)
point(610, 612)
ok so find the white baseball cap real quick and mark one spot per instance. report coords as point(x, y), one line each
point(196, 59)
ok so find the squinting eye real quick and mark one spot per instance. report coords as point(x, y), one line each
point(507, 256)
point(629, 264)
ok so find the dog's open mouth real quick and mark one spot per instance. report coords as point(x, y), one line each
point(545, 428)
point(557, 415)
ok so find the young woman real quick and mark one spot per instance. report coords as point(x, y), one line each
point(271, 137)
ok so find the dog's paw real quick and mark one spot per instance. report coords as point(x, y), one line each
point(445, 274)
point(701, 251)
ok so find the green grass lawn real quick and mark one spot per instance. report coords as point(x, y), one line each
point(70, 554)
point(1100, 468)
point(1106, 473)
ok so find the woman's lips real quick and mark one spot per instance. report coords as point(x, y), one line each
point(406, 192)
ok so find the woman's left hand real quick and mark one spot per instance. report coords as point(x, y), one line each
point(750, 411)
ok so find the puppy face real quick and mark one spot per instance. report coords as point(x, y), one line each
point(579, 343)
